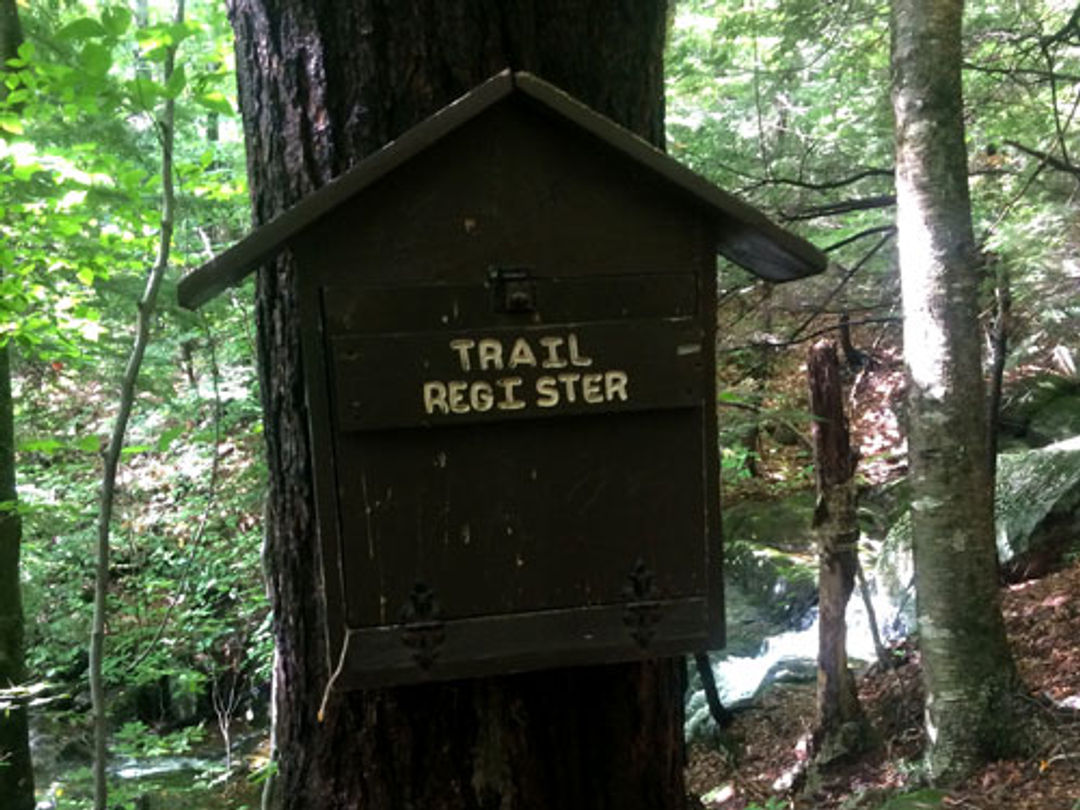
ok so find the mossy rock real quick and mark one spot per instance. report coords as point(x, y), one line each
point(783, 523)
point(768, 555)
point(1037, 502)
point(782, 586)
point(1059, 419)
point(1041, 409)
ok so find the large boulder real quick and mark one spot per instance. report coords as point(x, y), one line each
point(1037, 492)
point(1038, 519)
point(767, 555)
point(1039, 410)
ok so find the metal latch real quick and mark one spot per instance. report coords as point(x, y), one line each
point(513, 289)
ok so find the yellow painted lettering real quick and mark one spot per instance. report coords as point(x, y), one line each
point(591, 390)
point(481, 396)
point(576, 358)
point(551, 344)
point(615, 384)
point(568, 379)
point(435, 398)
point(490, 354)
point(547, 392)
point(457, 390)
point(462, 346)
point(521, 354)
point(509, 402)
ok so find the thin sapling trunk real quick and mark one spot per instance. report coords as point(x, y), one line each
point(112, 453)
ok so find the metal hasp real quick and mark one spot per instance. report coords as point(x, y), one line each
point(508, 320)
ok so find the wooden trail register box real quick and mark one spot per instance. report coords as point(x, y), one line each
point(509, 329)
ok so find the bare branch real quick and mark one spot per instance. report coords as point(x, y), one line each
point(1048, 159)
point(826, 186)
point(889, 229)
point(1017, 72)
point(1070, 30)
point(842, 207)
point(778, 344)
point(836, 290)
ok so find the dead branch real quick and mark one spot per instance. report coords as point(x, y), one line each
point(1048, 159)
point(842, 207)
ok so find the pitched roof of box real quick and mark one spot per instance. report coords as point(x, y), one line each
point(743, 234)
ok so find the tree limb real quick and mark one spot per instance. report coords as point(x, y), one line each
point(1048, 159)
point(842, 207)
point(847, 277)
point(828, 185)
point(1015, 72)
point(887, 229)
point(1070, 29)
point(777, 344)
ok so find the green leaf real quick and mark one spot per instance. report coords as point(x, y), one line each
point(89, 444)
point(12, 124)
point(167, 438)
point(96, 59)
point(24, 171)
point(116, 20)
point(178, 32)
point(47, 446)
point(26, 51)
point(134, 449)
point(82, 28)
point(175, 85)
point(143, 92)
point(215, 101)
point(918, 800)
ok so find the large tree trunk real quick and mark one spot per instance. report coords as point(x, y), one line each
point(970, 677)
point(16, 775)
point(841, 726)
point(322, 84)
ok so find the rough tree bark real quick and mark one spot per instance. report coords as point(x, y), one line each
point(16, 775)
point(322, 84)
point(841, 726)
point(971, 681)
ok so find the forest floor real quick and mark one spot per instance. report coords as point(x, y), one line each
point(768, 743)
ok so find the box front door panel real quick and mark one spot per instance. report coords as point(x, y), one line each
point(542, 469)
point(520, 516)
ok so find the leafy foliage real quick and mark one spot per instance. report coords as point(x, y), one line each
point(79, 193)
point(785, 103)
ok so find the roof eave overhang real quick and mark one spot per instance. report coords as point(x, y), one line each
point(744, 234)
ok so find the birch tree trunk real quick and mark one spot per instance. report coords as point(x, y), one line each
point(971, 681)
point(322, 84)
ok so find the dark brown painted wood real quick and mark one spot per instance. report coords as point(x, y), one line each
point(322, 85)
point(742, 233)
point(508, 346)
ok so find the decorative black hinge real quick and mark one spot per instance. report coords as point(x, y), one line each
point(643, 608)
point(423, 630)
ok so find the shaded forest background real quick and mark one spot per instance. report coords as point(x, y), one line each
point(786, 104)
